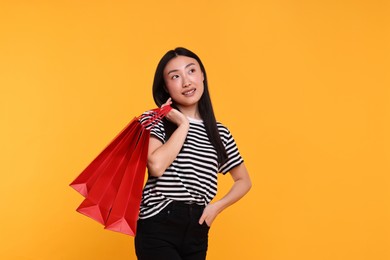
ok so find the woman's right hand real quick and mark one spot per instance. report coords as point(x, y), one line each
point(175, 116)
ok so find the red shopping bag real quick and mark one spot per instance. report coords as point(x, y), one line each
point(101, 195)
point(122, 217)
point(112, 184)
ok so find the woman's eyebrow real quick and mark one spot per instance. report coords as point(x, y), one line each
point(190, 64)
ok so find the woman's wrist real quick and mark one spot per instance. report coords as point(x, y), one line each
point(219, 206)
point(184, 124)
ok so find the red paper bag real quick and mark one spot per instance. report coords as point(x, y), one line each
point(112, 184)
point(122, 216)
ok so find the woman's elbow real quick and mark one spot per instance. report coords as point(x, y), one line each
point(155, 169)
point(248, 184)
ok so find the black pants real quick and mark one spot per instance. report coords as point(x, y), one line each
point(173, 234)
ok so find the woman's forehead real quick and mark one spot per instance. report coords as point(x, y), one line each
point(180, 62)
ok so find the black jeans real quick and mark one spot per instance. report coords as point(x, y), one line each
point(173, 234)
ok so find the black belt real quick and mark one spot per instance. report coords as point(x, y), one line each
point(187, 205)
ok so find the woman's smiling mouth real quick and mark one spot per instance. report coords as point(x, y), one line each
point(189, 92)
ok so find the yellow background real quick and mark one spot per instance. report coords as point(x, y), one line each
point(303, 86)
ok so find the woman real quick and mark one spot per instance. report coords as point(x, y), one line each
point(186, 152)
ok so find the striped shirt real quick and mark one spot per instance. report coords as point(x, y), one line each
point(192, 176)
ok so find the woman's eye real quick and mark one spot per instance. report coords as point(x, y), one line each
point(192, 71)
point(175, 76)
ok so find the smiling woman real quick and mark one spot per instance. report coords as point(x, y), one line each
point(186, 153)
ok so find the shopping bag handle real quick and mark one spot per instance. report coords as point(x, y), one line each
point(156, 116)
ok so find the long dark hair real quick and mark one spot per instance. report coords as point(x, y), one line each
point(205, 107)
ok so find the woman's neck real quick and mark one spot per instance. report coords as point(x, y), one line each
point(190, 111)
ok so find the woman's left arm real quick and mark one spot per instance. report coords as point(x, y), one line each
point(242, 184)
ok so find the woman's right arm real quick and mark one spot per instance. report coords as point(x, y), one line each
point(160, 155)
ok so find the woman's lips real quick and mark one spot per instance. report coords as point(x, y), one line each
point(189, 92)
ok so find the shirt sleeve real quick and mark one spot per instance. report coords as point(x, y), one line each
point(234, 157)
point(157, 130)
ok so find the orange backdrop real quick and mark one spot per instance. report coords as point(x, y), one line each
point(303, 86)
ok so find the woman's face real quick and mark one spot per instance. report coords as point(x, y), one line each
point(184, 80)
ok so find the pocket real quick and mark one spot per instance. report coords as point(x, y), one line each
point(205, 225)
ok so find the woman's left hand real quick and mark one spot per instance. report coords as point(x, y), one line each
point(242, 184)
point(209, 214)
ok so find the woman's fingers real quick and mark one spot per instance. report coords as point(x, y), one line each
point(167, 103)
point(202, 219)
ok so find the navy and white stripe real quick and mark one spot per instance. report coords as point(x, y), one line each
point(192, 176)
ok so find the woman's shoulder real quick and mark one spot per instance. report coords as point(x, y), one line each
point(223, 129)
point(150, 120)
point(221, 125)
point(148, 115)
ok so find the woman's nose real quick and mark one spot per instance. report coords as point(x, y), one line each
point(186, 83)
